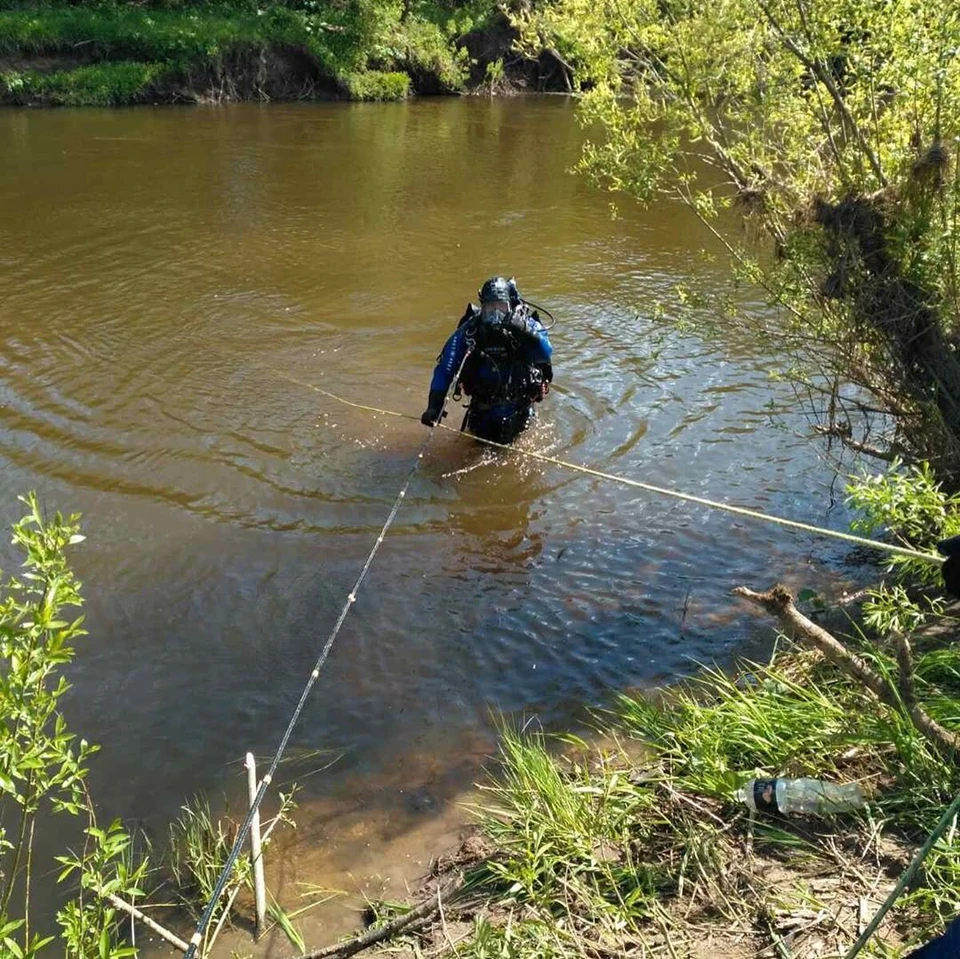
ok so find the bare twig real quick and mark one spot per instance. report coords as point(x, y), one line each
point(208, 945)
point(908, 688)
point(135, 913)
point(842, 433)
point(443, 924)
point(418, 914)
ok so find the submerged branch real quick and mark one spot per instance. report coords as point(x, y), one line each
point(779, 602)
point(842, 433)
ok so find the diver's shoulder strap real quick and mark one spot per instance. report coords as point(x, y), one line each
point(470, 313)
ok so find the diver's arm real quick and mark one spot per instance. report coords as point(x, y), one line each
point(449, 362)
point(447, 366)
point(532, 335)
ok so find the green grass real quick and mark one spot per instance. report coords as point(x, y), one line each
point(140, 34)
point(377, 85)
point(199, 847)
point(598, 852)
point(802, 717)
point(579, 836)
point(100, 84)
point(361, 46)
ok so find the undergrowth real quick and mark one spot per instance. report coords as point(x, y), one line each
point(598, 851)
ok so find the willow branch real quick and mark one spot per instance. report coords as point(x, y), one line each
point(819, 71)
point(779, 602)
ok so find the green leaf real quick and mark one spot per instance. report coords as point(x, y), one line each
point(14, 947)
point(283, 921)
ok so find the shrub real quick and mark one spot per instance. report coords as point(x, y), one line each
point(378, 85)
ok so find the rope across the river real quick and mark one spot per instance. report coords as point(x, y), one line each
point(650, 487)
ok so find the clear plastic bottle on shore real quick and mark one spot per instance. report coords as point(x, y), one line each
point(809, 796)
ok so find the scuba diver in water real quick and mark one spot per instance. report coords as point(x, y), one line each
point(507, 366)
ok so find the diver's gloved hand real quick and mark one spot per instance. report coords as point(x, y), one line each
point(951, 568)
point(523, 326)
point(515, 297)
point(433, 412)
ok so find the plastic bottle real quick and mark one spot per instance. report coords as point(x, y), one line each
point(809, 796)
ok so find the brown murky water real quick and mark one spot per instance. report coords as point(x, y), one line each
point(165, 275)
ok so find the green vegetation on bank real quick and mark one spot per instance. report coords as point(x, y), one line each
point(43, 766)
point(110, 53)
point(604, 854)
point(818, 142)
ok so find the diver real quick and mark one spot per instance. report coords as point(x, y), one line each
point(508, 364)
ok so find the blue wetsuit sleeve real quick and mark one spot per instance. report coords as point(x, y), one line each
point(946, 946)
point(539, 350)
point(450, 359)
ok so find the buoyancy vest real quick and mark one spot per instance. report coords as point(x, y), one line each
point(496, 370)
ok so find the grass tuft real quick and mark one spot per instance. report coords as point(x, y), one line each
point(200, 845)
point(100, 84)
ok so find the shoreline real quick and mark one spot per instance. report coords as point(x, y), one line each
point(631, 842)
point(126, 56)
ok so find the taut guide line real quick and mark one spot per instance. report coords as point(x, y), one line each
point(648, 487)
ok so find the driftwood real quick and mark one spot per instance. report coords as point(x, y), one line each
point(416, 916)
point(779, 602)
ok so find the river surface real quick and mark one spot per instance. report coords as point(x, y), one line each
point(174, 281)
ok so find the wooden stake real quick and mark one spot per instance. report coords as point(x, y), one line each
point(259, 887)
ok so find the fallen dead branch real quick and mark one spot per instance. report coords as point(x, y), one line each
point(779, 602)
point(419, 914)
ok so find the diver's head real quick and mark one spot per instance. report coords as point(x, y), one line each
point(495, 296)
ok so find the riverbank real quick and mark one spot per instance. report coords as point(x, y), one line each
point(108, 55)
point(593, 851)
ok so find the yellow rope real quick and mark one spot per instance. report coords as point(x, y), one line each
point(649, 487)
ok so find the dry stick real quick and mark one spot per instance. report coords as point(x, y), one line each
point(135, 913)
point(908, 688)
point(259, 886)
point(351, 947)
point(443, 924)
point(208, 945)
point(779, 602)
point(233, 895)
